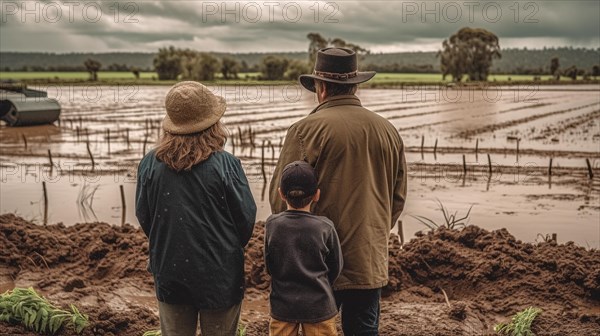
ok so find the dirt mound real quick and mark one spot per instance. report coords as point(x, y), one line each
point(91, 265)
point(486, 276)
point(493, 275)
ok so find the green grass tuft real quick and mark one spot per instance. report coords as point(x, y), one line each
point(520, 325)
point(451, 220)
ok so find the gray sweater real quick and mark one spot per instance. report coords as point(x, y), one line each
point(303, 257)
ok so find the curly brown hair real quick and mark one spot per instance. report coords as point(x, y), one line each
point(183, 151)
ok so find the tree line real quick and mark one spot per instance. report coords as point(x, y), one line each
point(469, 54)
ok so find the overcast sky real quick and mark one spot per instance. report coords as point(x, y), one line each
point(263, 26)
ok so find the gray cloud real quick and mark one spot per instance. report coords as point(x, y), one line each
point(237, 26)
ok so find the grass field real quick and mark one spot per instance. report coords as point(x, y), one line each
point(150, 78)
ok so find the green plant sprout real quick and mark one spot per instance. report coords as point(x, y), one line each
point(27, 307)
point(450, 220)
point(520, 325)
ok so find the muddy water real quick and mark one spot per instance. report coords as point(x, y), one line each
point(120, 124)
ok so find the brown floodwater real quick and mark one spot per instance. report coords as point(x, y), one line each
point(120, 124)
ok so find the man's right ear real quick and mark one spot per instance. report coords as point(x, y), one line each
point(317, 196)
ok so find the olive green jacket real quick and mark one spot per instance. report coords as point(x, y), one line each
point(359, 159)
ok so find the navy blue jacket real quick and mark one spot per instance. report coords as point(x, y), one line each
point(198, 223)
point(303, 256)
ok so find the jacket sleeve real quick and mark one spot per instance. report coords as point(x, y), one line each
point(291, 151)
point(142, 208)
point(399, 197)
point(241, 202)
point(335, 260)
point(266, 254)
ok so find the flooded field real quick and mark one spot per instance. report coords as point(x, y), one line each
point(488, 148)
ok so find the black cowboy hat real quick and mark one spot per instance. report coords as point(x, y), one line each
point(336, 65)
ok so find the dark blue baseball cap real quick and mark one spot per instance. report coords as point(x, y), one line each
point(298, 176)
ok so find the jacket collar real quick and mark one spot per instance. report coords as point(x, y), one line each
point(337, 101)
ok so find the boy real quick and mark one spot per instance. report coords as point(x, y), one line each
point(303, 257)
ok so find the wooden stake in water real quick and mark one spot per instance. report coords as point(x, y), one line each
point(262, 159)
point(489, 164)
point(108, 139)
point(241, 136)
point(476, 146)
point(589, 167)
point(401, 232)
point(272, 152)
point(91, 155)
point(50, 159)
point(464, 165)
point(45, 202)
point(145, 143)
point(435, 146)
point(251, 135)
point(127, 136)
point(123, 205)
point(422, 143)
point(518, 141)
point(550, 168)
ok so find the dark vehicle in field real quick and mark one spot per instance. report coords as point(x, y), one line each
point(20, 106)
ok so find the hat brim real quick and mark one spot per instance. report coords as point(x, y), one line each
point(218, 111)
point(308, 81)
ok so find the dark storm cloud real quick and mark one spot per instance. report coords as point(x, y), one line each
point(277, 25)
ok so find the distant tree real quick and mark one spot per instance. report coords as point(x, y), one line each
point(571, 72)
point(595, 71)
point(118, 67)
point(316, 42)
point(554, 68)
point(296, 68)
point(230, 67)
point(339, 43)
point(167, 63)
point(273, 67)
point(136, 72)
point(189, 58)
point(92, 66)
point(205, 67)
point(319, 42)
point(244, 67)
point(470, 51)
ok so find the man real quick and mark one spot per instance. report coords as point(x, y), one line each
point(359, 158)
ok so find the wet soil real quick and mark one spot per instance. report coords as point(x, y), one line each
point(486, 276)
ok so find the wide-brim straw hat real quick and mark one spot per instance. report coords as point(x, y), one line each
point(192, 108)
point(336, 65)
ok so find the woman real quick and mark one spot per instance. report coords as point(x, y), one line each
point(194, 204)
